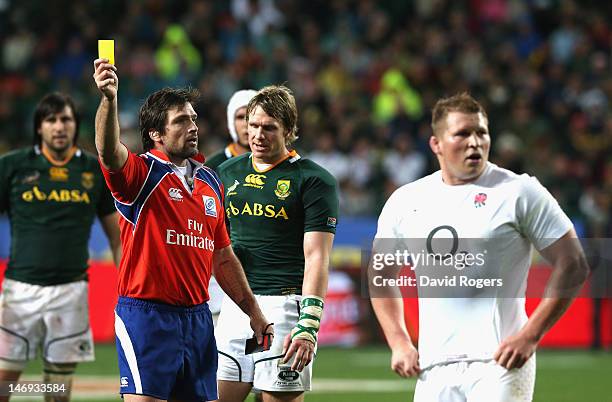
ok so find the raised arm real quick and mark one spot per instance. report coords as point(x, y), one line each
point(570, 270)
point(112, 153)
point(230, 276)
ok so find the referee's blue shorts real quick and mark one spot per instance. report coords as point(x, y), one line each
point(167, 352)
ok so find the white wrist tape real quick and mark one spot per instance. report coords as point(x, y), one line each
point(309, 322)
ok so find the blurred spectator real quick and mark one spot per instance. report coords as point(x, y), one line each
point(404, 164)
point(365, 74)
point(326, 155)
point(258, 15)
point(17, 50)
point(396, 97)
point(71, 63)
point(564, 40)
point(509, 150)
point(177, 58)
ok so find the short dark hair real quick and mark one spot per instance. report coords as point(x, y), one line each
point(53, 103)
point(278, 102)
point(154, 111)
point(462, 102)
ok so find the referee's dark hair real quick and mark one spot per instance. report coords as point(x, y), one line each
point(53, 103)
point(154, 111)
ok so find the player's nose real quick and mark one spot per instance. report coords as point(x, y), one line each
point(258, 132)
point(474, 140)
point(58, 125)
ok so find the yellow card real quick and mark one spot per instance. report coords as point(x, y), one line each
point(106, 50)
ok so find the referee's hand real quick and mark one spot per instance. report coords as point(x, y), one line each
point(105, 76)
point(261, 327)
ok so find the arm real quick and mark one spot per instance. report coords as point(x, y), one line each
point(390, 315)
point(110, 224)
point(231, 278)
point(570, 271)
point(317, 249)
point(112, 153)
point(300, 342)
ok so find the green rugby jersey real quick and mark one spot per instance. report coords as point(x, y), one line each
point(217, 159)
point(51, 210)
point(269, 211)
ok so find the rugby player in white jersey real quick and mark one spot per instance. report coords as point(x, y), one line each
point(478, 348)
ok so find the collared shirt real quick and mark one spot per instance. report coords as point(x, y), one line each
point(495, 221)
point(169, 230)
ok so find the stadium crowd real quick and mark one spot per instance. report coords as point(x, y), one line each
point(365, 75)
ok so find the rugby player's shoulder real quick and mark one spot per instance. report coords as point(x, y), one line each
point(234, 162)
point(425, 182)
point(18, 154)
point(504, 177)
point(310, 168)
point(88, 156)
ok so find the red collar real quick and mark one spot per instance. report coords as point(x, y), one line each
point(198, 157)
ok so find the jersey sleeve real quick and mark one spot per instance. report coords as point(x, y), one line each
point(320, 199)
point(222, 239)
point(214, 161)
point(540, 217)
point(125, 184)
point(106, 205)
point(4, 184)
point(388, 218)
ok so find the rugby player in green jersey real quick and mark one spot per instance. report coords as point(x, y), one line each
point(237, 127)
point(52, 192)
point(283, 212)
point(236, 124)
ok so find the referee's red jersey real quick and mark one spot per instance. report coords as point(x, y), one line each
point(168, 230)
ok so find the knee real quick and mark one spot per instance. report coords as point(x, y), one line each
point(283, 396)
point(11, 370)
point(59, 369)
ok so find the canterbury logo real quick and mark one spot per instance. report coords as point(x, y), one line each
point(175, 194)
point(255, 180)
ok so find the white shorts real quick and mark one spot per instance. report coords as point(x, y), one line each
point(263, 369)
point(54, 319)
point(216, 296)
point(476, 382)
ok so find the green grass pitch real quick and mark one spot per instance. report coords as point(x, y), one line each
point(363, 374)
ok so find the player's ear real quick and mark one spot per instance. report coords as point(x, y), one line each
point(434, 144)
point(154, 135)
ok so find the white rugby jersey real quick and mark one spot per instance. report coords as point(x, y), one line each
point(510, 213)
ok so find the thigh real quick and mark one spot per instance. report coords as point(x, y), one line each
point(149, 348)
point(232, 391)
point(197, 378)
point(68, 337)
point(270, 373)
point(440, 383)
point(232, 330)
point(493, 383)
point(21, 322)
